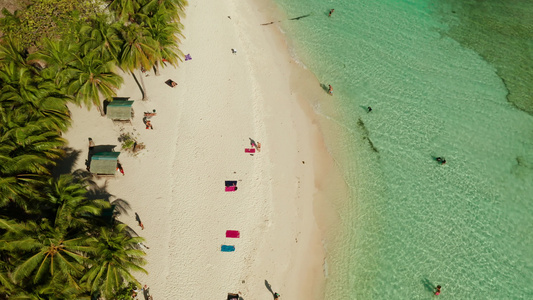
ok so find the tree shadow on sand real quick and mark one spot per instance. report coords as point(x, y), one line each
point(65, 165)
point(95, 191)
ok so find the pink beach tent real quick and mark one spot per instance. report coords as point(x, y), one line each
point(233, 234)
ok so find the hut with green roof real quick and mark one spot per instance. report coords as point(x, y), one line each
point(120, 109)
point(104, 163)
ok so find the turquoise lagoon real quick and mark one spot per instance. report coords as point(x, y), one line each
point(444, 78)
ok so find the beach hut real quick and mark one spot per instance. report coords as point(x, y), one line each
point(120, 109)
point(104, 163)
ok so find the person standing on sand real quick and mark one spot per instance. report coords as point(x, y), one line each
point(119, 167)
point(91, 146)
point(276, 296)
point(146, 292)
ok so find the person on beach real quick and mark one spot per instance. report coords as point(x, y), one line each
point(369, 109)
point(330, 89)
point(142, 245)
point(146, 292)
point(441, 160)
point(138, 219)
point(276, 296)
point(91, 146)
point(148, 124)
point(119, 168)
point(437, 292)
point(330, 12)
point(134, 293)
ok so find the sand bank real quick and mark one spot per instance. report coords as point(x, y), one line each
point(202, 126)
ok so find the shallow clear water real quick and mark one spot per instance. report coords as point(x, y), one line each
point(435, 90)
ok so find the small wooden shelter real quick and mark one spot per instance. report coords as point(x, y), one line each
point(120, 109)
point(104, 163)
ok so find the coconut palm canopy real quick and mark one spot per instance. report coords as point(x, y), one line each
point(56, 241)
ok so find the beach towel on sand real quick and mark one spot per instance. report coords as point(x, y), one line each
point(231, 188)
point(227, 248)
point(233, 234)
point(249, 150)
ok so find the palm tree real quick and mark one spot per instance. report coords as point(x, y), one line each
point(68, 207)
point(26, 153)
point(123, 9)
point(57, 55)
point(26, 97)
point(11, 51)
point(175, 8)
point(45, 253)
point(102, 36)
point(138, 50)
point(115, 256)
point(166, 34)
point(90, 77)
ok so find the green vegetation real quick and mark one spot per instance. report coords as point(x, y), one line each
point(129, 143)
point(54, 241)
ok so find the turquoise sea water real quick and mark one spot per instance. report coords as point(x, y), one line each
point(444, 78)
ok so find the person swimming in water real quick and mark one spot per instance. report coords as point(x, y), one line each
point(331, 11)
point(330, 90)
point(441, 160)
point(437, 292)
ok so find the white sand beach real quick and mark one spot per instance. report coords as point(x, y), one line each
point(202, 126)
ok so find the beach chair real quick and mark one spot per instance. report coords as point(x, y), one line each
point(235, 234)
point(227, 248)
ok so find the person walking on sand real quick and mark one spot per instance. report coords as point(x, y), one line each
point(331, 11)
point(330, 89)
point(437, 292)
point(138, 219)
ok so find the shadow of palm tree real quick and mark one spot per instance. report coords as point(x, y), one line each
point(66, 163)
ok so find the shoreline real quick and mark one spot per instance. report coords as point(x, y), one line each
point(200, 130)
